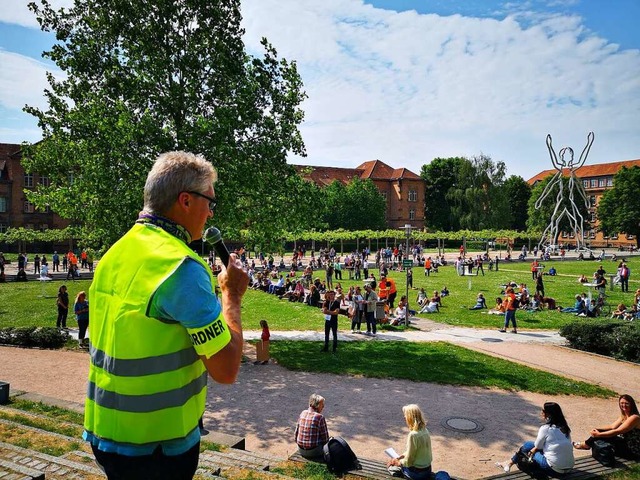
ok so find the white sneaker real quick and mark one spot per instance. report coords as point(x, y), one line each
point(353, 331)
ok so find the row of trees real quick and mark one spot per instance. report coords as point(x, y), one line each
point(146, 77)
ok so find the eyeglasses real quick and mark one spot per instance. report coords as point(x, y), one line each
point(212, 200)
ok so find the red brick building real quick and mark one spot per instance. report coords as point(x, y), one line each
point(15, 210)
point(402, 189)
point(595, 179)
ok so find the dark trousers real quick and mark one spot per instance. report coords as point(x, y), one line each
point(82, 328)
point(620, 446)
point(62, 318)
point(624, 284)
point(392, 298)
point(156, 466)
point(331, 326)
point(371, 322)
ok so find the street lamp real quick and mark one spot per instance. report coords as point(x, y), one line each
point(407, 263)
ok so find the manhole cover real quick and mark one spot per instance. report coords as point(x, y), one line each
point(461, 424)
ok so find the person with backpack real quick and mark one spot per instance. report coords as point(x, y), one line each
point(551, 454)
point(311, 430)
point(510, 304)
point(415, 462)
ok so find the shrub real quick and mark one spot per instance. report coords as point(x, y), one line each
point(43, 337)
point(613, 338)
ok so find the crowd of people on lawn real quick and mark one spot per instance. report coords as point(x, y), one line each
point(550, 454)
point(70, 262)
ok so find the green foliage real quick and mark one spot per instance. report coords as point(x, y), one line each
point(355, 206)
point(147, 77)
point(618, 339)
point(441, 175)
point(539, 218)
point(518, 192)
point(466, 193)
point(42, 337)
point(412, 361)
point(619, 207)
point(304, 471)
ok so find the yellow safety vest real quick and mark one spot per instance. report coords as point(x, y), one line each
point(146, 382)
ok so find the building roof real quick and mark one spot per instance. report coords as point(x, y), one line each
point(8, 150)
point(373, 169)
point(587, 171)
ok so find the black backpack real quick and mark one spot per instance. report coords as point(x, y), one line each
point(339, 456)
point(604, 453)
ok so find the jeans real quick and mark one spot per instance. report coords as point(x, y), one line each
point(357, 320)
point(539, 463)
point(510, 315)
point(624, 284)
point(331, 326)
point(82, 328)
point(414, 474)
point(156, 466)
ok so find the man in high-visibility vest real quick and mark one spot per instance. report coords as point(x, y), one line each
point(157, 330)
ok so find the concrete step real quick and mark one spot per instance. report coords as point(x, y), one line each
point(13, 471)
point(53, 468)
point(231, 461)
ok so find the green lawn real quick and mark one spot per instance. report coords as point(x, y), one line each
point(414, 361)
point(23, 304)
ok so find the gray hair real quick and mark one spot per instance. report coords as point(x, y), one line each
point(173, 173)
point(315, 400)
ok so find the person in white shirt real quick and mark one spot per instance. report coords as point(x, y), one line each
point(552, 451)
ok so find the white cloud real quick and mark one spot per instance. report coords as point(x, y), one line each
point(406, 88)
point(17, 12)
point(22, 81)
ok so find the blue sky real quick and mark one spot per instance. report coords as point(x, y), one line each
point(405, 81)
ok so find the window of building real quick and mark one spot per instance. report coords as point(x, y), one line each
point(585, 183)
point(28, 179)
point(44, 227)
point(384, 195)
point(630, 237)
point(29, 207)
point(592, 200)
point(602, 182)
point(3, 227)
point(572, 235)
point(614, 236)
point(564, 235)
point(3, 204)
point(593, 217)
point(592, 234)
point(412, 214)
point(609, 181)
point(44, 181)
point(413, 196)
point(29, 226)
point(594, 182)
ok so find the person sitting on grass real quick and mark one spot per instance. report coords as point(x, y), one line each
point(481, 303)
point(619, 312)
point(431, 307)
point(498, 309)
point(632, 314)
point(444, 292)
point(578, 307)
point(421, 299)
point(583, 279)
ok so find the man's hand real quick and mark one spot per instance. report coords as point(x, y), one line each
point(223, 367)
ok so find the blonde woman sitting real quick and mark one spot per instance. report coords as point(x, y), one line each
point(415, 462)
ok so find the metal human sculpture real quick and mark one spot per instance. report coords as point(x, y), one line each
point(576, 221)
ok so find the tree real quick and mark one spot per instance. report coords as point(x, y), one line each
point(146, 77)
point(619, 207)
point(355, 206)
point(478, 199)
point(518, 192)
point(440, 176)
point(539, 218)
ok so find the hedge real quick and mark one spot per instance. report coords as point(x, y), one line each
point(613, 338)
point(42, 337)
